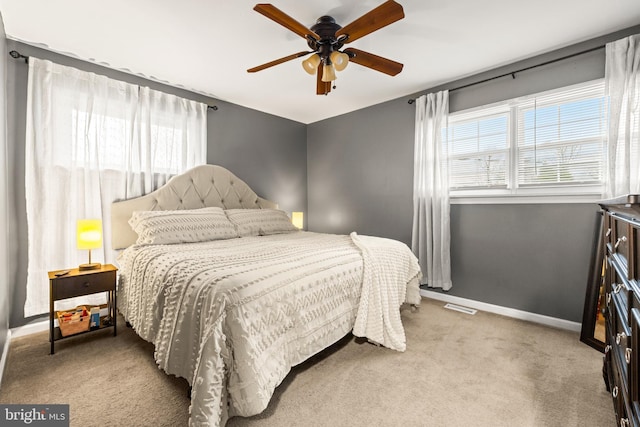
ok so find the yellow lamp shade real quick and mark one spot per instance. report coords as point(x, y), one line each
point(297, 218)
point(89, 235)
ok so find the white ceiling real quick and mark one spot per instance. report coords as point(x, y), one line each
point(207, 45)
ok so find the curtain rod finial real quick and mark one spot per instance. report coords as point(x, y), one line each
point(15, 55)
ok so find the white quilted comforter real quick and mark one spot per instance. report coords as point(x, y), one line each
point(233, 316)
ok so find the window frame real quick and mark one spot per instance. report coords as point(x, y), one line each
point(537, 193)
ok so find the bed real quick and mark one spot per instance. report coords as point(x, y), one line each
point(233, 296)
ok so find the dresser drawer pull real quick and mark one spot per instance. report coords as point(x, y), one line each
point(86, 284)
point(608, 233)
point(624, 422)
point(608, 298)
point(627, 355)
point(620, 240)
point(614, 393)
point(607, 348)
point(620, 336)
point(618, 288)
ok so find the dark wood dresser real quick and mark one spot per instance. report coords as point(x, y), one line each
point(622, 311)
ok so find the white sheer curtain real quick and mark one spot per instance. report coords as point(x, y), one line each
point(431, 238)
point(91, 140)
point(622, 85)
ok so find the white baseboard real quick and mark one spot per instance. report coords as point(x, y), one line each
point(29, 329)
point(504, 311)
point(5, 355)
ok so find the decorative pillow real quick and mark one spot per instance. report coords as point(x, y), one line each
point(260, 222)
point(181, 226)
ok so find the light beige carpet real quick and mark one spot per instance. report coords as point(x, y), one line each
point(458, 370)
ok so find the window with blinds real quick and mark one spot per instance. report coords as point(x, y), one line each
point(549, 143)
point(479, 149)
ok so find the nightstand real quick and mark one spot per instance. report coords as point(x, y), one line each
point(78, 283)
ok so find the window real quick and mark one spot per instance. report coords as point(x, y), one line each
point(479, 149)
point(544, 144)
point(91, 140)
point(108, 140)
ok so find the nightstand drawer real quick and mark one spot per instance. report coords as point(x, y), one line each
point(74, 286)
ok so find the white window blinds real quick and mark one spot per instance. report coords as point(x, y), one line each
point(561, 137)
point(550, 143)
point(479, 149)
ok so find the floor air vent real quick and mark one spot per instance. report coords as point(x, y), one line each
point(460, 308)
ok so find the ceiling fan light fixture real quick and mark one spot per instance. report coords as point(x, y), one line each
point(310, 64)
point(339, 60)
point(327, 37)
point(328, 73)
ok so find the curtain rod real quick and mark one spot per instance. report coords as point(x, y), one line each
point(17, 55)
point(513, 73)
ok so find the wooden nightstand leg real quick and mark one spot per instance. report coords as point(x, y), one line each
point(51, 351)
point(115, 314)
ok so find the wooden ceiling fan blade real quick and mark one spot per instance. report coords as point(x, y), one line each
point(275, 14)
point(277, 61)
point(374, 62)
point(383, 15)
point(322, 88)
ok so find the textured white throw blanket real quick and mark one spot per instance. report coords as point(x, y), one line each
point(233, 316)
point(378, 317)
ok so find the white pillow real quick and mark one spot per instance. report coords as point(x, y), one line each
point(181, 226)
point(260, 222)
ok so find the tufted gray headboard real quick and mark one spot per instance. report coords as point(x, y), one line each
point(200, 187)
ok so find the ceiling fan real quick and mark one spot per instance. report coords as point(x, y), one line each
point(326, 38)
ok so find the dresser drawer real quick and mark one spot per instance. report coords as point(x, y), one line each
point(615, 381)
point(68, 287)
point(609, 234)
point(634, 361)
point(618, 288)
point(620, 335)
point(621, 238)
point(634, 253)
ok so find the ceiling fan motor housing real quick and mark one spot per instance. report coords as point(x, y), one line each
point(325, 27)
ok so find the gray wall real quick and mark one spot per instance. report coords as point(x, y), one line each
point(532, 257)
point(356, 171)
point(267, 152)
point(4, 241)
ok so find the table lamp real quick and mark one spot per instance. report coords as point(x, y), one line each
point(89, 237)
point(297, 218)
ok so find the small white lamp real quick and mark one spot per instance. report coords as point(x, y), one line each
point(297, 219)
point(89, 236)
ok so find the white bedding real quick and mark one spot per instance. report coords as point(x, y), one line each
point(233, 316)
